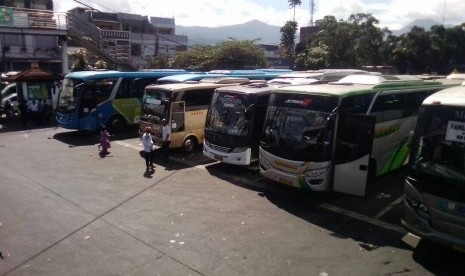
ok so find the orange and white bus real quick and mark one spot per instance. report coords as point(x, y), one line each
point(184, 106)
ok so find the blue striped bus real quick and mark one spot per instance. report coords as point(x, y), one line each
point(89, 99)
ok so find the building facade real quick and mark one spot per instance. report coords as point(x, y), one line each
point(32, 35)
point(125, 41)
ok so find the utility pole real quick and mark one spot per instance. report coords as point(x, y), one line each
point(312, 11)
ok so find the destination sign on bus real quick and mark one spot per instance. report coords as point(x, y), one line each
point(455, 131)
point(230, 101)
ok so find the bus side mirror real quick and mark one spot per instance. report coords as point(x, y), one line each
point(249, 111)
point(409, 139)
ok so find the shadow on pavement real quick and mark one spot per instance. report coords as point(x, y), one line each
point(439, 259)
point(75, 138)
point(308, 206)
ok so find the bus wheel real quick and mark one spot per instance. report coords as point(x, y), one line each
point(189, 144)
point(117, 124)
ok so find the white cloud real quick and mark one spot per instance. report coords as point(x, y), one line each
point(393, 14)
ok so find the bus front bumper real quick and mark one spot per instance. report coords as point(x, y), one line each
point(236, 158)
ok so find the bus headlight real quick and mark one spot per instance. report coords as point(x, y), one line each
point(418, 206)
point(317, 172)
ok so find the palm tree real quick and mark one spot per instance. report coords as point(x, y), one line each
point(293, 3)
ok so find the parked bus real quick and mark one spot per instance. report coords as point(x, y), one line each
point(89, 99)
point(434, 191)
point(234, 122)
point(318, 76)
point(258, 74)
point(184, 106)
point(331, 137)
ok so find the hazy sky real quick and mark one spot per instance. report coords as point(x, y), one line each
point(393, 14)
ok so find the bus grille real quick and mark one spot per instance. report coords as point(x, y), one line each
point(220, 148)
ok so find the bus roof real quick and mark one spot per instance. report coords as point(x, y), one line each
point(454, 96)
point(251, 88)
point(187, 85)
point(186, 77)
point(250, 74)
point(109, 74)
point(345, 88)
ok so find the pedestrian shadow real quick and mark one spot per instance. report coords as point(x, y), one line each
point(173, 163)
point(149, 173)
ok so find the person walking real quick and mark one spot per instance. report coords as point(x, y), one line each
point(147, 144)
point(104, 140)
point(34, 111)
point(166, 140)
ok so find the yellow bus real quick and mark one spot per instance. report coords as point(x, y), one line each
point(184, 106)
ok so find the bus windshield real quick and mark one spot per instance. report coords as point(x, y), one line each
point(155, 105)
point(68, 95)
point(228, 114)
point(299, 127)
point(92, 93)
point(438, 151)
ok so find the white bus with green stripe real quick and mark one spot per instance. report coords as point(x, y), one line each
point(339, 136)
point(434, 190)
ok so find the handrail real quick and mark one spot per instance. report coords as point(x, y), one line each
point(32, 18)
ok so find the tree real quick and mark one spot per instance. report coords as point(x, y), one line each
point(233, 54)
point(237, 54)
point(288, 40)
point(100, 64)
point(292, 4)
point(80, 61)
point(159, 62)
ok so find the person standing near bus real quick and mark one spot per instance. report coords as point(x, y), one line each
point(147, 144)
point(166, 139)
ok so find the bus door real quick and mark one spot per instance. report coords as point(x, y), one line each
point(87, 109)
point(352, 154)
point(177, 111)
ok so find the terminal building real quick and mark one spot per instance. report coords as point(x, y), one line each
point(32, 35)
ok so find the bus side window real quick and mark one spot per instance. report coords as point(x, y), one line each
point(388, 107)
point(198, 99)
point(138, 86)
point(358, 104)
point(124, 89)
point(412, 102)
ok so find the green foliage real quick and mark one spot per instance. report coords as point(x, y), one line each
point(160, 62)
point(357, 41)
point(233, 54)
point(80, 61)
point(288, 32)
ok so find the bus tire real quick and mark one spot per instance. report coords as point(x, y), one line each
point(189, 144)
point(117, 124)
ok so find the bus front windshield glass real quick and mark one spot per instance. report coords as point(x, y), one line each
point(86, 94)
point(438, 151)
point(299, 127)
point(229, 114)
point(156, 105)
point(69, 95)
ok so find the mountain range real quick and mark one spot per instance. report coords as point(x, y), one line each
point(262, 32)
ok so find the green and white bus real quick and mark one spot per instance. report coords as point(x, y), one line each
point(338, 136)
point(434, 191)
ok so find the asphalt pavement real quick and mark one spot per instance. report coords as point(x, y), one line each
point(66, 210)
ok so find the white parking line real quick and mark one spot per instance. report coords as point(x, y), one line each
point(388, 208)
point(364, 218)
point(372, 220)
